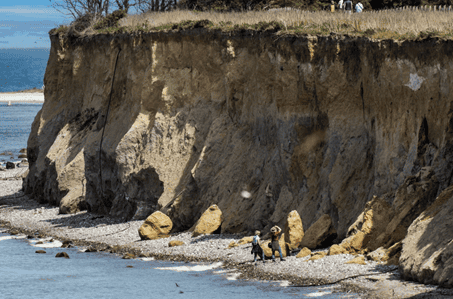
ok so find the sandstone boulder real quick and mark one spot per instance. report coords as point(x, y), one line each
point(232, 245)
point(360, 260)
point(303, 253)
point(320, 234)
point(209, 221)
point(157, 225)
point(317, 256)
point(336, 249)
point(283, 246)
point(427, 250)
point(174, 243)
point(294, 231)
point(245, 240)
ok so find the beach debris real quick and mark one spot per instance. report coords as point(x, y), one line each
point(320, 234)
point(156, 226)
point(294, 230)
point(174, 243)
point(209, 222)
point(62, 254)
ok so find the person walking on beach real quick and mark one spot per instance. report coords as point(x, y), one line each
point(276, 231)
point(348, 6)
point(256, 247)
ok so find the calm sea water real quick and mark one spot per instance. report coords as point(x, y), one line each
point(15, 127)
point(22, 68)
point(26, 274)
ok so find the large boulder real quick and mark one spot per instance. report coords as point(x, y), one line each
point(10, 165)
point(427, 251)
point(209, 221)
point(294, 231)
point(156, 226)
point(320, 234)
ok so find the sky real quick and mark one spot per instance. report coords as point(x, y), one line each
point(26, 23)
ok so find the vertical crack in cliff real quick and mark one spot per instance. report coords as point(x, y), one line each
point(105, 122)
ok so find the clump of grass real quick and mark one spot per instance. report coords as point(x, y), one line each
point(391, 24)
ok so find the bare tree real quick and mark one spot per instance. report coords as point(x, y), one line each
point(156, 5)
point(95, 8)
point(79, 8)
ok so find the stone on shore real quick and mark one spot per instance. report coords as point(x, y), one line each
point(40, 251)
point(320, 234)
point(317, 255)
point(232, 245)
point(156, 226)
point(174, 243)
point(336, 249)
point(245, 240)
point(209, 222)
point(303, 253)
point(10, 165)
point(62, 254)
point(294, 230)
point(359, 260)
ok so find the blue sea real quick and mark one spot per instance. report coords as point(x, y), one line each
point(26, 274)
point(22, 68)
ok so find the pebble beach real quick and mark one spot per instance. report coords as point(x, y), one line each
point(22, 216)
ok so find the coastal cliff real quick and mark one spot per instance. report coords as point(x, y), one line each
point(178, 121)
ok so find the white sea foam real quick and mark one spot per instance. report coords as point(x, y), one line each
point(196, 268)
point(284, 283)
point(317, 294)
point(147, 259)
point(22, 97)
point(53, 244)
point(6, 238)
point(233, 276)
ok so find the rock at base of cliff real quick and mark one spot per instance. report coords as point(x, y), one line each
point(174, 243)
point(156, 226)
point(427, 250)
point(303, 252)
point(294, 230)
point(209, 222)
point(320, 234)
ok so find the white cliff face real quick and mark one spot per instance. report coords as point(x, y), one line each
point(313, 124)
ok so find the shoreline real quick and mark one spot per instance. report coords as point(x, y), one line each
point(22, 97)
point(22, 215)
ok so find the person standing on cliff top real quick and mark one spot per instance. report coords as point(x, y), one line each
point(256, 247)
point(348, 6)
point(358, 7)
point(276, 231)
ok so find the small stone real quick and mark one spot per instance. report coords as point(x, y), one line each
point(128, 256)
point(360, 260)
point(40, 251)
point(175, 243)
point(303, 253)
point(62, 254)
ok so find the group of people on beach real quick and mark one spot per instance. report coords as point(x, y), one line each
point(257, 251)
point(346, 6)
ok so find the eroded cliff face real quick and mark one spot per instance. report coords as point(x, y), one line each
point(181, 121)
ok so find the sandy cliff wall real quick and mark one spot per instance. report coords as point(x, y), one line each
point(134, 123)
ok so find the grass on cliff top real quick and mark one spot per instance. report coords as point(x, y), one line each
point(390, 24)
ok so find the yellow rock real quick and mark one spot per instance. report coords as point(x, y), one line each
point(360, 260)
point(268, 251)
point(174, 243)
point(294, 230)
point(232, 245)
point(209, 221)
point(157, 225)
point(336, 249)
point(303, 253)
point(245, 240)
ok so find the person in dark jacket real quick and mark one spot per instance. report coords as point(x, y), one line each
point(276, 233)
point(256, 247)
point(348, 6)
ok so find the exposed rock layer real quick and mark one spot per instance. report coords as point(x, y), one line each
point(181, 121)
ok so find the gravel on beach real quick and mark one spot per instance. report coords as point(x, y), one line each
point(373, 280)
